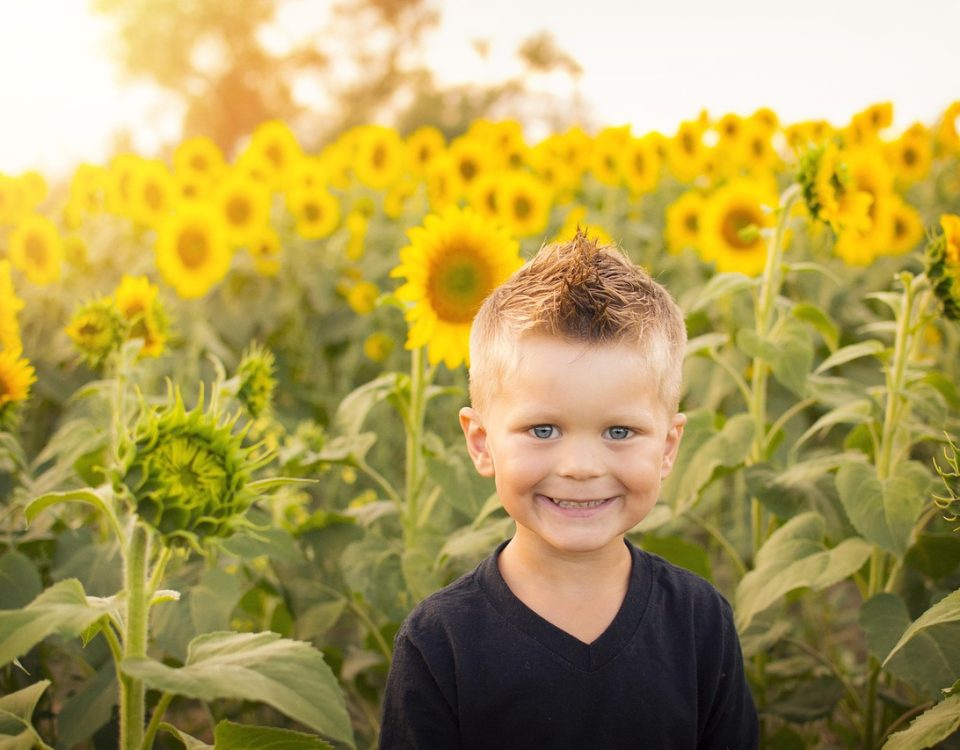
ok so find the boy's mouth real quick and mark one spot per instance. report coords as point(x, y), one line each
point(560, 503)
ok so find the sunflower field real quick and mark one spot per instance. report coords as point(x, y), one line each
point(230, 461)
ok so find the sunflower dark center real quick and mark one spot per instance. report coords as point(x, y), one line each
point(36, 249)
point(238, 210)
point(153, 195)
point(458, 284)
point(192, 248)
point(736, 220)
point(521, 207)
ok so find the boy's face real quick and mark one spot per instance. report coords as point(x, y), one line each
point(577, 440)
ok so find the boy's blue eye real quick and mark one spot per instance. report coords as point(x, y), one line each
point(542, 431)
point(619, 433)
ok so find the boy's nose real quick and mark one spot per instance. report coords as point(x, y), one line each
point(579, 460)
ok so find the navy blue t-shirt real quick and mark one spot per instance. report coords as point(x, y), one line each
point(474, 667)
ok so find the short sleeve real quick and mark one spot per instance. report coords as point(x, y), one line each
point(416, 713)
point(731, 723)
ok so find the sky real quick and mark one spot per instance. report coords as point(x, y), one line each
point(649, 63)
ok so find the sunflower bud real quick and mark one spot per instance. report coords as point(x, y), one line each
point(949, 502)
point(829, 192)
point(97, 329)
point(187, 474)
point(942, 265)
point(256, 381)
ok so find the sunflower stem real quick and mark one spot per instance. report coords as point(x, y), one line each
point(132, 691)
point(414, 446)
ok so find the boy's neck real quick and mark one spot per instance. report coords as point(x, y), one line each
point(580, 593)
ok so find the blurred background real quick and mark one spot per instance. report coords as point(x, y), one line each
point(82, 79)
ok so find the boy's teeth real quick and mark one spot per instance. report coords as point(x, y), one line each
point(573, 504)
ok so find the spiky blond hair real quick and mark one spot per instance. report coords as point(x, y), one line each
point(584, 292)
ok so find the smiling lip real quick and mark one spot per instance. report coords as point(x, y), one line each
point(577, 508)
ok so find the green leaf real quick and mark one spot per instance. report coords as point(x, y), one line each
point(19, 580)
point(16, 712)
point(707, 451)
point(935, 555)
point(260, 486)
point(929, 728)
point(859, 411)
point(357, 404)
point(925, 662)
point(722, 285)
point(821, 322)
point(706, 342)
point(884, 512)
point(786, 492)
point(810, 699)
point(291, 676)
point(795, 557)
point(63, 609)
point(788, 351)
point(946, 612)
point(189, 742)
point(474, 543)
point(230, 736)
point(680, 552)
point(101, 499)
point(90, 707)
point(849, 353)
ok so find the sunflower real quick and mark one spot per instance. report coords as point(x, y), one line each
point(559, 175)
point(16, 377)
point(730, 129)
point(244, 204)
point(802, 135)
point(470, 158)
point(444, 184)
point(316, 211)
point(265, 251)
point(756, 149)
point(36, 249)
point(911, 154)
point(120, 180)
point(378, 346)
point(192, 250)
point(357, 224)
point(33, 188)
point(11, 200)
point(422, 146)
point(576, 223)
point(139, 303)
point(860, 246)
point(640, 165)
point(380, 156)
point(482, 194)
point(767, 119)
point(154, 192)
point(362, 297)
point(829, 191)
point(199, 156)
point(683, 221)
point(398, 196)
point(729, 226)
point(907, 227)
point(607, 153)
point(10, 307)
point(275, 141)
point(948, 129)
point(686, 151)
point(88, 188)
point(97, 329)
point(452, 262)
point(523, 203)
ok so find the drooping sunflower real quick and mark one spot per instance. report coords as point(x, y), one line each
point(683, 221)
point(730, 224)
point(523, 203)
point(315, 210)
point(192, 250)
point(452, 262)
point(244, 204)
point(640, 165)
point(10, 307)
point(37, 249)
point(942, 265)
point(139, 302)
point(16, 377)
point(380, 157)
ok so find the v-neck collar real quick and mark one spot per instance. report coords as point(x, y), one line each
point(584, 656)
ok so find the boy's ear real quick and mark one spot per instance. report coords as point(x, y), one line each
point(672, 444)
point(476, 436)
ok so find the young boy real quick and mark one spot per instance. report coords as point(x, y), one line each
point(568, 636)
